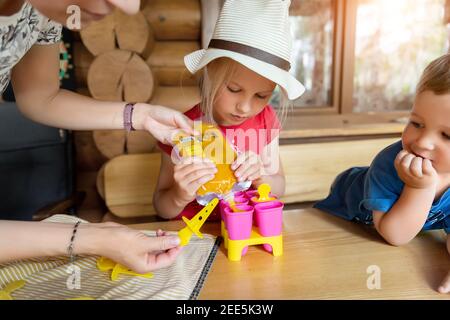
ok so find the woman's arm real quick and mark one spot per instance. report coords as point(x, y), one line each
point(23, 239)
point(131, 248)
point(35, 81)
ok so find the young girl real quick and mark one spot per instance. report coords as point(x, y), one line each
point(406, 188)
point(247, 57)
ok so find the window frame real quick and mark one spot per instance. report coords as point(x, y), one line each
point(343, 68)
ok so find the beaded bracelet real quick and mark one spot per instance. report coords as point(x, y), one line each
point(70, 247)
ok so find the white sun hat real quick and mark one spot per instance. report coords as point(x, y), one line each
point(256, 34)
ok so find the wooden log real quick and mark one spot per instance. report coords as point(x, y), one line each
point(110, 143)
point(167, 63)
point(118, 30)
point(133, 32)
point(178, 98)
point(140, 142)
point(171, 53)
point(120, 75)
point(174, 19)
point(100, 182)
point(88, 157)
point(174, 76)
point(130, 181)
point(81, 55)
point(99, 37)
point(82, 59)
point(210, 14)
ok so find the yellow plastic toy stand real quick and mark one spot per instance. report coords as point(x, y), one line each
point(193, 226)
point(5, 294)
point(235, 247)
point(105, 264)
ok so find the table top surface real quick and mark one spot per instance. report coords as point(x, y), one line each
point(325, 257)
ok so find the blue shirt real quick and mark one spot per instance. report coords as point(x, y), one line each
point(358, 191)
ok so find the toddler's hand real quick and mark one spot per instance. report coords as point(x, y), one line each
point(445, 285)
point(190, 175)
point(247, 166)
point(415, 172)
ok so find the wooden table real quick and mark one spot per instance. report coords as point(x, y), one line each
point(327, 258)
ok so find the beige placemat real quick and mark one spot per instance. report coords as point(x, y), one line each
point(47, 278)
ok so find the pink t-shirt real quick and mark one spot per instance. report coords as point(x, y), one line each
point(251, 135)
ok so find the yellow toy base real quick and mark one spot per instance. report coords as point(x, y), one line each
point(235, 247)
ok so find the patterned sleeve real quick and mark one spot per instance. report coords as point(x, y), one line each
point(50, 34)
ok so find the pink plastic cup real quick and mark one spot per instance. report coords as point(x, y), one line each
point(251, 193)
point(240, 194)
point(239, 224)
point(240, 200)
point(269, 219)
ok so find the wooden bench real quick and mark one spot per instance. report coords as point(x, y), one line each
point(310, 168)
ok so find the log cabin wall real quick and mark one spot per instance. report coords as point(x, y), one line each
point(132, 58)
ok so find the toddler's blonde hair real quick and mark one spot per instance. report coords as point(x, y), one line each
point(436, 77)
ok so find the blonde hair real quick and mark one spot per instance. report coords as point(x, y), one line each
point(436, 77)
point(220, 71)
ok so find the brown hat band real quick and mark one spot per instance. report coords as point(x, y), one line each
point(251, 52)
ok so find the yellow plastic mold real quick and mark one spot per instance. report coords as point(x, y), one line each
point(105, 264)
point(194, 225)
point(5, 293)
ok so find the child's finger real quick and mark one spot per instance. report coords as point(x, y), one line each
point(406, 162)
point(251, 171)
point(400, 156)
point(162, 259)
point(427, 167)
point(185, 170)
point(200, 174)
point(416, 167)
point(239, 161)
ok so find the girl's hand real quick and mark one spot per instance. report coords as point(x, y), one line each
point(163, 123)
point(190, 175)
point(445, 285)
point(136, 250)
point(415, 172)
point(247, 166)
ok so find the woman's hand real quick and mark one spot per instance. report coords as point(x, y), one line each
point(136, 250)
point(247, 166)
point(189, 175)
point(163, 123)
point(415, 172)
